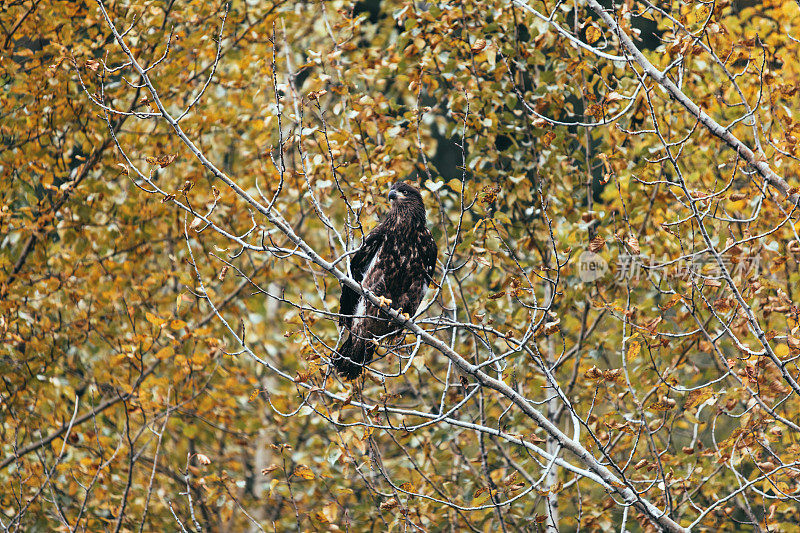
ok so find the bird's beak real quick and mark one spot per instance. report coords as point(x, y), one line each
point(392, 195)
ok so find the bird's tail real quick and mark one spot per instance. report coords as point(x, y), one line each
point(354, 353)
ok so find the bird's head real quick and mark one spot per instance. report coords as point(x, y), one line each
point(407, 206)
point(402, 194)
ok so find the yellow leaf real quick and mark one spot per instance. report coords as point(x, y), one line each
point(153, 319)
point(408, 487)
point(696, 397)
point(455, 185)
point(329, 511)
point(304, 472)
point(592, 34)
point(178, 301)
point(663, 405)
point(165, 353)
point(633, 349)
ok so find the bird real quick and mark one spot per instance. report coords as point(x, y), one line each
point(396, 261)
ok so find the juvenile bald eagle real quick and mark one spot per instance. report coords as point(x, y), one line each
point(396, 261)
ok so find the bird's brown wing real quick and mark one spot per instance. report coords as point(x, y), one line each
point(358, 266)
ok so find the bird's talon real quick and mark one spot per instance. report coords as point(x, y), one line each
point(383, 301)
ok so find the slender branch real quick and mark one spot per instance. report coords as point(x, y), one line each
point(716, 129)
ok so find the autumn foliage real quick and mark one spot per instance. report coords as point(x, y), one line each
point(612, 337)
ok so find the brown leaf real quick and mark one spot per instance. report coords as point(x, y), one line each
point(552, 327)
point(163, 160)
point(794, 344)
point(389, 504)
point(596, 111)
point(613, 375)
point(633, 245)
point(478, 45)
point(593, 373)
point(722, 304)
point(663, 405)
point(270, 468)
point(539, 122)
point(302, 377)
point(57, 63)
point(651, 325)
point(534, 439)
point(597, 244)
point(314, 95)
point(515, 487)
point(166, 160)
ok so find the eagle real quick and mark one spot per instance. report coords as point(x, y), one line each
point(396, 261)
